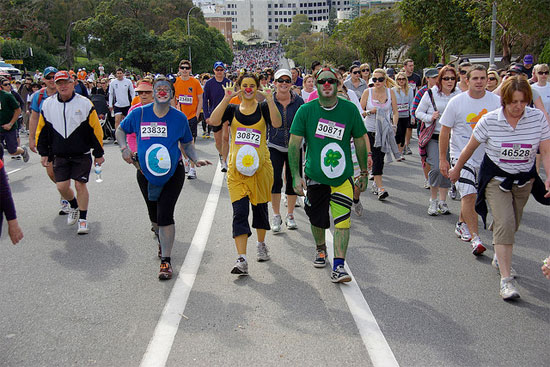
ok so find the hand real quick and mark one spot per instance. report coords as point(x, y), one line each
point(99, 160)
point(444, 167)
point(369, 162)
point(435, 115)
point(546, 268)
point(15, 232)
point(203, 162)
point(110, 109)
point(44, 161)
point(208, 121)
point(7, 126)
point(127, 155)
point(362, 182)
point(230, 90)
point(373, 111)
point(267, 93)
point(32, 144)
point(299, 186)
point(547, 184)
point(454, 174)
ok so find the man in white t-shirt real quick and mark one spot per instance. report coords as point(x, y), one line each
point(121, 93)
point(458, 120)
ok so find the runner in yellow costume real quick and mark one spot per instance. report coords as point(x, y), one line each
point(250, 174)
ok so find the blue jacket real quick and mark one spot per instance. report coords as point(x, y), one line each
point(279, 137)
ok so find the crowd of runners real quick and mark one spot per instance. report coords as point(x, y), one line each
point(281, 135)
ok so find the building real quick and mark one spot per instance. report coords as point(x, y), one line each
point(222, 24)
point(266, 16)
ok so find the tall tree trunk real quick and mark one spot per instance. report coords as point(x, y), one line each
point(506, 48)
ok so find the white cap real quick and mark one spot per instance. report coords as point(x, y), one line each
point(282, 72)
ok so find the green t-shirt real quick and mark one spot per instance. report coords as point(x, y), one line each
point(328, 136)
point(8, 105)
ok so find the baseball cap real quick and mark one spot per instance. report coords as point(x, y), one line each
point(144, 86)
point(517, 68)
point(528, 59)
point(62, 75)
point(431, 73)
point(217, 64)
point(49, 70)
point(282, 72)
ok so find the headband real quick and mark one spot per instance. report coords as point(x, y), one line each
point(328, 68)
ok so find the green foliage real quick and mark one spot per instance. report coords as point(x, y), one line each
point(332, 21)
point(16, 49)
point(300, 25)
point(544, 57)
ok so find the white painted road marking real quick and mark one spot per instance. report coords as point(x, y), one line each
point(160, 344)
point(378, 348)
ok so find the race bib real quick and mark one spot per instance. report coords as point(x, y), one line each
point(329, 129)
point(402, 107)
point(248, 136)
point(515, 153)
point(185, 99)
point(153, 130)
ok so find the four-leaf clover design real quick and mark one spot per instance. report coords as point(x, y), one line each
point(332, 159)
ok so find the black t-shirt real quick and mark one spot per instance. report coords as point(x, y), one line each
point(232, 110)
point(416, 79)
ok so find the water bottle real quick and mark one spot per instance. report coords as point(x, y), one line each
point(97, 170)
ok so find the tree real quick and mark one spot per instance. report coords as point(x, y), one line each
point(332, 20)
point(443, 25)
point(300, 25)
point(519, 23)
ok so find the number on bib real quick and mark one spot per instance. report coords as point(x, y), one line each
point(153, 130)
point(329, 129)
point(248, 136)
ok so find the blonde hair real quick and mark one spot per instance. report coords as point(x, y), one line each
point(406, 88)
point(390, 83)
point(540, 67)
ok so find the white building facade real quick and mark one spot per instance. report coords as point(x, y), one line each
point(266, 16)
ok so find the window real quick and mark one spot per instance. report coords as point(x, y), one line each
point(276, 27)
point(269, 27)
point(294, 12)
point(269, 6)
point(276, 5)
point(269, 13)
point(269, 34)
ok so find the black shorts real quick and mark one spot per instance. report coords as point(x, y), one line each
point(412, 123)
point(320, 198)
point(121, 110)
point(76, 168)
point(9, 138)
point(193, 126)
point(241, 210)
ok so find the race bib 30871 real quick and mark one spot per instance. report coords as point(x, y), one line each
point(329, 129)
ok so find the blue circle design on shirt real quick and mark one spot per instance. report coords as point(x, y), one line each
point(157, 158)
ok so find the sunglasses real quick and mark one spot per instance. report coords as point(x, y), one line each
point(398, 79)
point(185, 68)
point(381, 79)
point(49, 77)
point(365, 70)
point(327, 80)
point(447, 78)
point(463, 72)
point(492, 78)
point(5, 84)
point(281, 80)
point(356, 72)
point(144, 92)
point(543, 72)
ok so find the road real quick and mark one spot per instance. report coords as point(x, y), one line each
point(419, 297)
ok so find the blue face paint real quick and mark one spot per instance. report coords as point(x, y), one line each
point(163, 92)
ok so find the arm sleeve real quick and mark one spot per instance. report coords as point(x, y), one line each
point(6, 201)
point(265, 112)
point(423, 108)
point(12, 102)
point(111, 92)
point(97, 134)
point(448, 118)
point(229, 113)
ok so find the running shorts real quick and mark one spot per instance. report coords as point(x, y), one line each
point(121, 110)
point(76, 168)
point(320, 197)
point(469, 179)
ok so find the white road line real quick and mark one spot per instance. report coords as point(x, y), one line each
point(14, 170)
point(160, 344)
point(377, 346)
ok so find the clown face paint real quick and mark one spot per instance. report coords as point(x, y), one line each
point(249, 88)
point(328, 90)
point(163, 92)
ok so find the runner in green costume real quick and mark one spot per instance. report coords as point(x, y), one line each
point(328, 124)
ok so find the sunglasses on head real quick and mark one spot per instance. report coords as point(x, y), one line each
point(447, 78)
point(381, 79)
point(49, 77)
point(356, 72)
point(543, 72)
point(281, 80)
point(184, 67)
point(327, 80)
point(365, 70)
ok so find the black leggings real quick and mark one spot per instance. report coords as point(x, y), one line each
point(377, 156)
point(402, 125)
point(278, 160)
point(241, 209)
point(162, 210)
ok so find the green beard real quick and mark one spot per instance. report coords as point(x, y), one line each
point(327, 101)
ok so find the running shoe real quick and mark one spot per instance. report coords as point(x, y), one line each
point(432, 208)
point(263, 252)
point(83, 227)
point(382, 194)
point(320, 259)
point(408, 150)
point(477, 246)
point(453, 193)
point(443, 208)
point(462, 231)
point(25, 154)
point(290, 222)
point(276, 223)
point(298, 202)
point(358, 208)
point(65, 207)
point(223, 164)
point(72, 217)
point(401, 158)
point(374, 189)
point(165, 272)
point(186, 165)
point(340, 275)
point(427, 184)
point(508, 289)
point(192, 173)
point(241, 267)
point(513, 272)
point(204, 135)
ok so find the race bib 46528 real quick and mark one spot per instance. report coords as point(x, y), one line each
point(515, 152)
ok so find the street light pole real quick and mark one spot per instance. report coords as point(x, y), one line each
point(189, 30)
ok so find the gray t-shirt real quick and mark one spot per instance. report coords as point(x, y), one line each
point(359, 90)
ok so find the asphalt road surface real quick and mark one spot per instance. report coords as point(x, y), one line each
point(419, 297)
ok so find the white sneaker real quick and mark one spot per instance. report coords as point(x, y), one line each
point(508, 289)
point(358, 209)
point(192, 173)
point(443, 208)
point(290, 222)
point(262, 252)
point(186, 165)
point(426, 184)
point(462, 231)
point(432, 208)
point(72, 217)
point(513, 272)
point(83, 227)
point(477, 246)
point(65, 207)
point(224, 165)
point(276, 223)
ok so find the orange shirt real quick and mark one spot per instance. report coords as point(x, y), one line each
point(81, 75)
point(136, 100)
point(187, 95)
point(235, 100)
